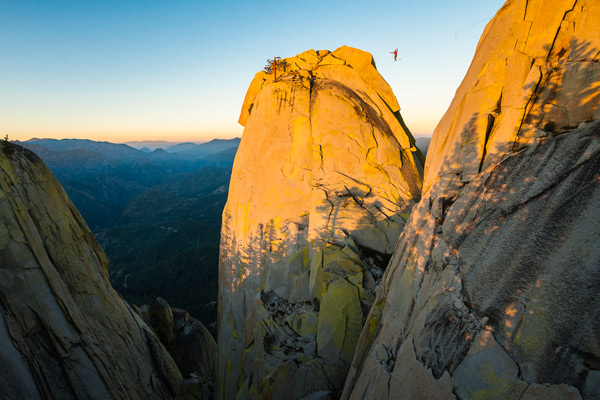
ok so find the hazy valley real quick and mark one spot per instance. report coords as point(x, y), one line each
point(156, 214)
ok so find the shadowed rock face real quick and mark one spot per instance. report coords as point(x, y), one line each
point(493, 289)
point(64, 332)
point(324, 178)
point(189, 343)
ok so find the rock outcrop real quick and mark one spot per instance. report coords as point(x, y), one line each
point(190, 344)
point(535, 73)
point(64, 332)
point(493, 291)
point(322, 183)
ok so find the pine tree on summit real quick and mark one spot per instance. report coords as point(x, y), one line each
point(275, 64)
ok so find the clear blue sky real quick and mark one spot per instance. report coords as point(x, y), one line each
point(179, 70)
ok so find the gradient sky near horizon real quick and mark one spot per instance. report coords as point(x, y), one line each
point(178, 70)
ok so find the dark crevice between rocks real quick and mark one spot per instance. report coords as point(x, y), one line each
point(375, 262)
point(465, 296)
point(290, 343)
point(279, 308)
point(439, 208)
point(321, 157)
point(549, 126)
point(389, 360)
point(489, 128)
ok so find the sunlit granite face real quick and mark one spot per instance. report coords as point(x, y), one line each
point(323, 181)
point(492, 291)
point(535, 73)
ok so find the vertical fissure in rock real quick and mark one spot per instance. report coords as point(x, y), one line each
point(488, 130)
point(526, 109)
point(558, 31)
point(374, 261)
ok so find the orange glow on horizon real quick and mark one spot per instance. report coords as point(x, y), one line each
point(122, 137)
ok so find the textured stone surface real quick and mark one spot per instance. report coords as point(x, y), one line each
point(495, 281)
point(323, 181)
point(193, 347)
point(190, 344)
point(535, 73)
point(64, 332)
point(161, 320)
point(502, 293)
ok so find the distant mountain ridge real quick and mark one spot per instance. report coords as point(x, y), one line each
point(120, 152)
point(214, 146)
point(151, 144)
point(125, 153)
point(180, 147)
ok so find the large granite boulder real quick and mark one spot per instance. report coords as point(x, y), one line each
point(190, 344)
point(64, 332)
point(323, 181)
point(493, 291)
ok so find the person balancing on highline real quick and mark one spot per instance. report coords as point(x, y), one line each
point(395, 53)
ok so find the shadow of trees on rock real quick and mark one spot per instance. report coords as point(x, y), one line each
point(504, 239)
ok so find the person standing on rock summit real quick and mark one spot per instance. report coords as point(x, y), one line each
point(395, 53)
